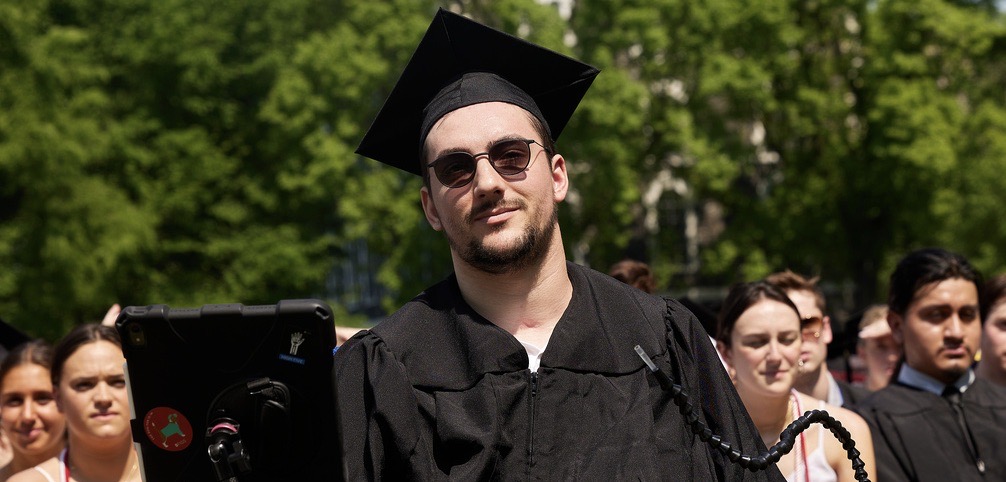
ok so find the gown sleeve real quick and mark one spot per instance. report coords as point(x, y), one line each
point(378, 411)
point(886, 442)
point(696, 364)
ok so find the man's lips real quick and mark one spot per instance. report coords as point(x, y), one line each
point(956, 351)
point(496, 215)
point(493, 213)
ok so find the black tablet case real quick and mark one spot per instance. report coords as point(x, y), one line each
point(189, 368)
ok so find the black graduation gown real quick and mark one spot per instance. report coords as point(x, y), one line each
point(916, 435)
point(436, 392)
point(851, 394)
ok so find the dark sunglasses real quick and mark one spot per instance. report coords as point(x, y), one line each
point(509, 157)
point(811, 327)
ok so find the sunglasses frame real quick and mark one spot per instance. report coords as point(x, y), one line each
point(812, 320)
point(474, 159)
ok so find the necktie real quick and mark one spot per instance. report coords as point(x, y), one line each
point(953, 395)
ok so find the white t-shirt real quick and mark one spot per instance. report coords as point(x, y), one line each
point(533, 355)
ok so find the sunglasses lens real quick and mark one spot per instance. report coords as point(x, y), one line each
point(507, 157)
point(455, 169)
point(510, 157)
point(811, 327)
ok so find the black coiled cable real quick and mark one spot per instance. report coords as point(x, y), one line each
point(786, 439)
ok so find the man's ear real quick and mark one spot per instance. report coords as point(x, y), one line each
point(560, 178)
point(897, 323)
point(826, 334)
point(429, 209)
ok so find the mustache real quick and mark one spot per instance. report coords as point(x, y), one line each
point(487, 206)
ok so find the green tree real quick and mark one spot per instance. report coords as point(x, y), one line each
point(187, 152)
point(828, 137)
point(935, 128)
point(141, 161)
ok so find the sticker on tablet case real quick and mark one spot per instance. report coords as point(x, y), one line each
point(296, 339)
point(168, 429)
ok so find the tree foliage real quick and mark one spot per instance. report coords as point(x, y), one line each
point(188, 152)
point(829, 137)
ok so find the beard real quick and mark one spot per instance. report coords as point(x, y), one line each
point(527, 250)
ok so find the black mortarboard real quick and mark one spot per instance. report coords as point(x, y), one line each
point(10, 337)
point(461, 62)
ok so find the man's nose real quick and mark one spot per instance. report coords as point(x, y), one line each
point(954, 328)
point(486, 180)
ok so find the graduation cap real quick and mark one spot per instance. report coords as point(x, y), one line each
point(461, 62)
point(10, 337)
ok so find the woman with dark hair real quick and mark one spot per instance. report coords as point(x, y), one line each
point(634, 273)
point(934, 313)
point(759, 336)
point(87, 372)
point(28, 413)
point(992, 366)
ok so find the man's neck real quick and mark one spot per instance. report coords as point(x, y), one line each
point(816, 384)
point(912, 377)
point(526, 303)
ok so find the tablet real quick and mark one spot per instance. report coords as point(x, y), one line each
point(234, 393)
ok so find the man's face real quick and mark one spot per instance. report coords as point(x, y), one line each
point(495, 223)
point(817, 333)
point(994, 340)
point(941, 328)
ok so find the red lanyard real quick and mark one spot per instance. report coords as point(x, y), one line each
point(801, 454)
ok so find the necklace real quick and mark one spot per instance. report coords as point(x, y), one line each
point(131, 472)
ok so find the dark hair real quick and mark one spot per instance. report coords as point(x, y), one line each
point(741, 297)
point(922, 267)
point(34, 352)
point(994, 292)
point(634, 273)
point(790, 281)
point(76, 338)
point(547, 143)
